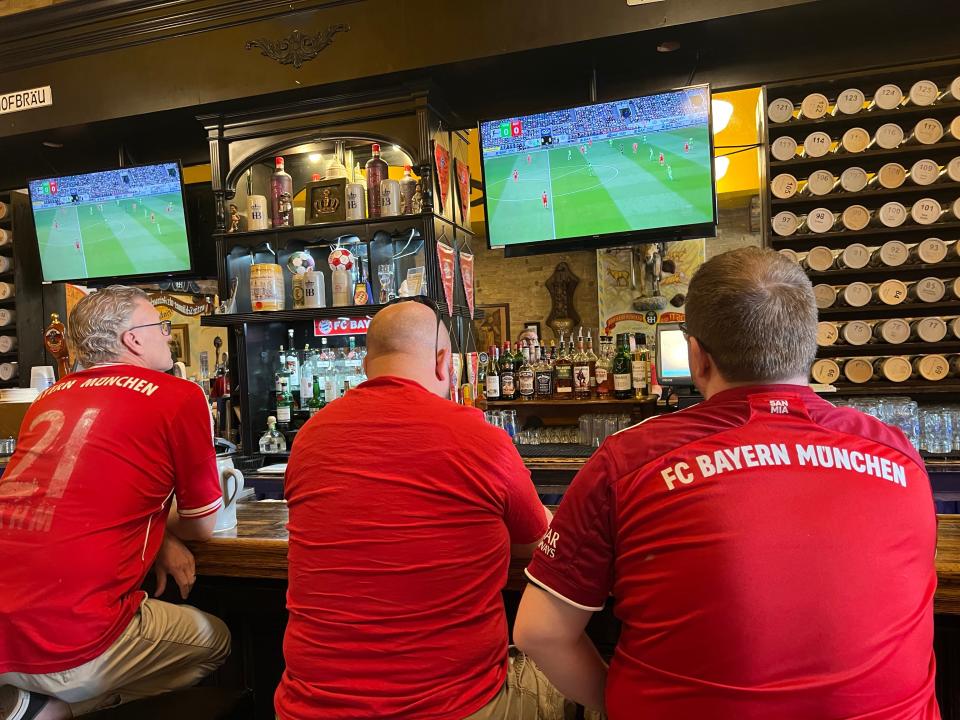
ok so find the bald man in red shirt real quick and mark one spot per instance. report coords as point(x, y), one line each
point(770, 555)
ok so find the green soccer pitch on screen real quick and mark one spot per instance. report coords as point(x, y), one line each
point(605, 173)
point(111, 224)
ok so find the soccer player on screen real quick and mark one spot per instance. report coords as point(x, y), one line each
point(650, 148)
point(635, 146)
point(153, 217)
point(543, 199)
point(670, 172)
point(516, 176)
point(76, 244)
point(661, 160)
point(569, 154)
point(686, 147)
point(529, 159)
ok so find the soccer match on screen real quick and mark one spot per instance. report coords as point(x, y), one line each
point(118, 222)
point(622, 166)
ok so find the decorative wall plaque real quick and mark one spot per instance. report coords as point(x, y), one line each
point(297, 48)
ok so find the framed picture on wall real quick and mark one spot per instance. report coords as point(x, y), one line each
point(180, 343)
point(494, 328)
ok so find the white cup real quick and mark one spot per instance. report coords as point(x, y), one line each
point(42, 377)
point(257, 217)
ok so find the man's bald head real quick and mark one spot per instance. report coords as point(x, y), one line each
point(404, 340)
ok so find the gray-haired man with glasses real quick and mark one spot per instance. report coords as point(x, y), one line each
point(85, 508)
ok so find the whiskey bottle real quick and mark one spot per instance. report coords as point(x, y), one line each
point(281, 196)
point(526, 376)
point(284, 407)
point(543, 376)
point(563, 374)
point(604, 369)
point(592, 359)
point(376, 171)
point(581, 371)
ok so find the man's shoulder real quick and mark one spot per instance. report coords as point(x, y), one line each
point(850, 421)
point(656, 436)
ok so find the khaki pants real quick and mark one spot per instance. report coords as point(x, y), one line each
point(527, 695)
point(165, 647)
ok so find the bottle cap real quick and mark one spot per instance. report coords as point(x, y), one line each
point(279, 162)
point(408, 168)
point(271, 420)
point(315, 177)
point(376, 147)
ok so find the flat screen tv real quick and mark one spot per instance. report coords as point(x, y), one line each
point(112, 224)
point(600, 175)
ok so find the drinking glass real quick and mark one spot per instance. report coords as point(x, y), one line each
point(509, 418)
point(385, 276)
point(903, 413)
point(937, 425)
point(586, 429)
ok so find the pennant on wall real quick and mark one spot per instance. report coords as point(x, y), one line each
point(466, 275)
point(445, 255)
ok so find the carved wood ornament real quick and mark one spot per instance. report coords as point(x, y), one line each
point(297, 48)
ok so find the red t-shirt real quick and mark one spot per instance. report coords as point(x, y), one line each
point(770, 556)
point(403, 507)
point(83, 504)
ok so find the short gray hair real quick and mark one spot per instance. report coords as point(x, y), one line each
point(754, 312)
point(99, 320)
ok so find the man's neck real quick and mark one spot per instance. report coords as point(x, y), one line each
point(719, 385)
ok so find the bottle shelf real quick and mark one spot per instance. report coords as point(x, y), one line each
point(308, 314)
point(841, 200)
point(834, 160)
point(593, 402)
point(840, 239)
point(331, 230)
point(879, 274)
point(880, 312)
point(886, 350)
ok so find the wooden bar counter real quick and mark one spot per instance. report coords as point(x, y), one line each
point(257, 548)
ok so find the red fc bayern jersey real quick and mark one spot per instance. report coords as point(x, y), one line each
point(770, 556)
point(403, 507)
point(84, 503)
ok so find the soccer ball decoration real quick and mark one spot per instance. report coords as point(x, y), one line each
point(341, 259)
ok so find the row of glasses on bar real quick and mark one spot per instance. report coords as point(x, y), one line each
point(594, 429)
point(549, 435)
point(506, 420)
point(931, 428)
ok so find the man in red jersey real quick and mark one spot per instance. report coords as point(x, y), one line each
point(83, 506)
point(770, 555)
point(398, 553)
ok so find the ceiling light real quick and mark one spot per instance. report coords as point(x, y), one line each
point(396, 148)
point(721, 164)
point(722, 112)
point(314, 157)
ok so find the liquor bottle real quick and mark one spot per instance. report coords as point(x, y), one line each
point(408, 187)
point(281, 197)
point(592, 359)
point(622, 370)
point(481, 376)
point(543, 376)
point(581, 371)
point(293, 366)
point(563, 374)
point(282, 376)
point(508, 378)
point(639, 369)
point(604, 368)
point(284, 407)
point(316, 401)
point(272, 441)
point(526, 376)
point(376, 173)
point(308, 370)
point(493, 374)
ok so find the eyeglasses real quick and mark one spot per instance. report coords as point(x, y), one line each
point(165, 326)
point(430, 303)
point(687, 336)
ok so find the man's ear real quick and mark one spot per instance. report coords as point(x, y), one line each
point(442, 370)
point(701, 364)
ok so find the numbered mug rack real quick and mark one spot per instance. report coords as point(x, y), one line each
point(906, 121)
